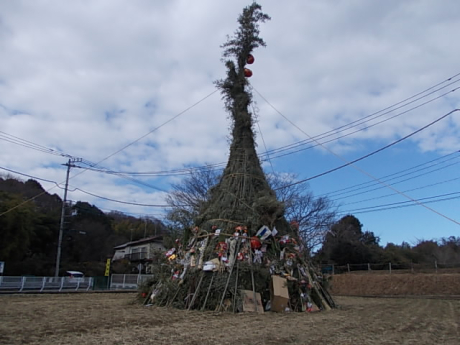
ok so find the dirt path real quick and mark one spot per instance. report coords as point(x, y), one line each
point(114, 319)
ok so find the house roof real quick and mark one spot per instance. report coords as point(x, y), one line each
point(141, 241)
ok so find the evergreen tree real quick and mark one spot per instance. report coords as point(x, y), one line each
point(346, 243)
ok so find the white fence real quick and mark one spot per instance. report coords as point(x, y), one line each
point(44, 284)
point(128, 281)
point(434, 267)
point(67, 284)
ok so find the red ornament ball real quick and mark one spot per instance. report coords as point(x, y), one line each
point(255, 243)
point(247, 72)
point(250, 59)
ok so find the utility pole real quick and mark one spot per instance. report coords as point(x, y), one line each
point(61, 225)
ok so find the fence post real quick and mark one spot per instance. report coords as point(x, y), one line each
point(43, 284)
point(436, 265)
point(348, 266)
point(368, 266)
point(389, 265)
point(333, 270)
point(23, 281)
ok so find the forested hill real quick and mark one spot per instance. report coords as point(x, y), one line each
point(31, 189)
point(29, 229)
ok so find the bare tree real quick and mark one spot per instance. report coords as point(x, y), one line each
point(188, 196)
point(314, 215)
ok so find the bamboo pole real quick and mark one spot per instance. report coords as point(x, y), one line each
point(229, 276)
point(196, 291)
point(209, 289)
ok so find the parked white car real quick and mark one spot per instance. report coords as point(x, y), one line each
point(75, 276)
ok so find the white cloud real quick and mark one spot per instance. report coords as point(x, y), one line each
point(90, 77)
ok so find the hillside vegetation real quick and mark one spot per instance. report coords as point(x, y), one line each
point(29, 229)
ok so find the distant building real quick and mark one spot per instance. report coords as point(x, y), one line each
point(140, 251)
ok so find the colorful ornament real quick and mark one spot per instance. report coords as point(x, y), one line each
point(222, 249)
point(263, 233)
point(257, 256)
point(255, 243)
point(244, 234)
point(247, 73)
point(250, 59)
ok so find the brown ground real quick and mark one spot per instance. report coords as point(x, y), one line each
point(103, 318)
point(378, 284)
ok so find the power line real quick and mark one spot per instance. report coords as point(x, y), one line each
point(397, 182)
point(123, 148)
point(75, 189)
point(29, 144)
point(93, 165)
point(107, 171)
point(317, 138)
point(123, 202)
point(361, 121)
point(348, 163)
point(401, 204)
point(30, 176)
point(324, 135)
point(392, 176)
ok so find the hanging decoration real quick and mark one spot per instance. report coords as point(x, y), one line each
point(213, 271)
point(247, 73)
point(255, 243)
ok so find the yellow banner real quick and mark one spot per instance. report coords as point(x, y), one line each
point(107, 268)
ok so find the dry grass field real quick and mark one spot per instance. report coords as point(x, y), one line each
point(378, 284)
point(111, 318)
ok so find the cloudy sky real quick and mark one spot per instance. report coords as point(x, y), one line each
point(129, 85)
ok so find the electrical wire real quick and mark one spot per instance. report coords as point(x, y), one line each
point(265, 156)
point(122, 202)
point(262, 137)
point(317, 143)
point(29, 144)
point(77, 189)
point(401, 204)
point(351, 163)
point(123, 148)
point(392, 176)
point(397, 182)
point(359, 122)
point(404, 191)
point(335, 130)
point(30, 176)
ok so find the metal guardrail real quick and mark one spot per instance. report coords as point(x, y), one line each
point(44, 284)
point(69, 284)
point(435, 267)
point(128, 281)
